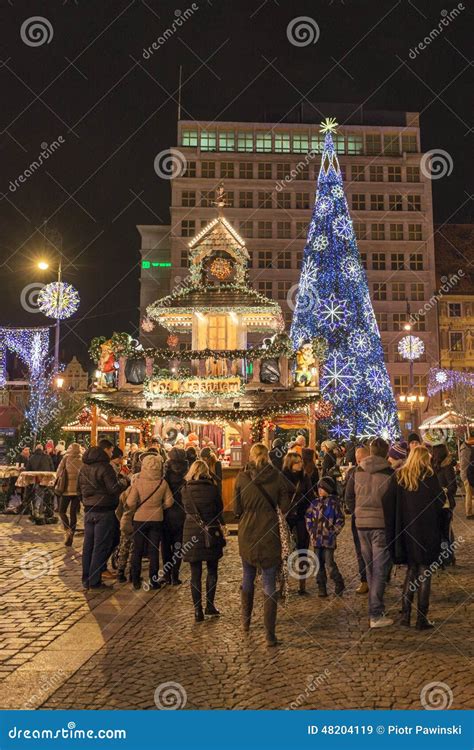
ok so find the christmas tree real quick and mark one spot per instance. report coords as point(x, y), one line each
point(333, 302)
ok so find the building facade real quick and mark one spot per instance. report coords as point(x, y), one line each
point(74, 376)
point(269, 171)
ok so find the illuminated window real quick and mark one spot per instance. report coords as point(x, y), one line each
point(283, 200)
point(245, 141)
point(379, 291)
point(394, 174)
point(282, 143)
point(208, 140)
point(284, 232)
point(300, 143)
point(245, 170)
point(357, 173)
point(355, 144)
point(373, 144)
point(188, 228)
point(391, 144)
point(246, 229)
point(414, 202)
point(265, 170)
point(417, 291)
point(377, 202)
point(409, 143)
point(302, 200)
point(413, 174)
point(246, 199)
point(378, 261)
point(317, 143)
point(227, 169)
point(340, 144)
point(395, 203)
point(397, 261)
point(227, 140)
point(377, 231)
point(358, 202)
point(188, 198)
point(414, 232)
point(189, 138)
point(360, 230)
point(396, 231)
point(416, 262)
point(398, 291)
point(263, 142)
point(208, 169)
point(217, 331)
point(264, 229)
point(265, 258)
point(283, 170)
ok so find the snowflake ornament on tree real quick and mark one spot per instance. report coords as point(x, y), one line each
point(381, 423)
point(351, 269)
point(323, 206)
point(360, 341)
point(334, 312)
point(342, 226)
point(376, 378)
point(337, 191)
point(340, 429)
point(320, 243)
point(339, 378)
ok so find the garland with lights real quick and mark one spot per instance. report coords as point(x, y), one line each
point(122, 345)
point(441, 379)
point(333, 303)
point(323, 411)
point(30, 344)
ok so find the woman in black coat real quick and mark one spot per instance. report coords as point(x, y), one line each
point(175, 471)
point(413, 508)
point(301, 492)
point(203, 539)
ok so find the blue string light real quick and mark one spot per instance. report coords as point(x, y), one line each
point(333, 302)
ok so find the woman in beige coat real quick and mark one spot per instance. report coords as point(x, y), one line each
point(149, 495)
point(71, 464)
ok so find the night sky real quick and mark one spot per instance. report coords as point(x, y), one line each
point(115, 110)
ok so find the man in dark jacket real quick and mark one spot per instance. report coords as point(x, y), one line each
point(40, 461)
point(175, 470)
point(371, 480)
point(277, 453)
point(349, 502)
point(99, 490)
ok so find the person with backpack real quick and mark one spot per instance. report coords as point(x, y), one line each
point(261, 500)
point(149, 496)
point(203, 537)
point(66, 489)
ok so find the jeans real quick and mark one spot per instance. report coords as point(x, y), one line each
point(377, 562)
point(326, 557)
point(100, 529)
point(71, 522)
point(196, 581)
point(360, 559)
point(268, 578)
point(172, 542)
point(149, 533)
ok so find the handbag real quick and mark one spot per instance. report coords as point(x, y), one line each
point(60, 485)
point(148, 496)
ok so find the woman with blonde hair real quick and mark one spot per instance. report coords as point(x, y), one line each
point(203, 538)
point(413, 517)
point(260, 490)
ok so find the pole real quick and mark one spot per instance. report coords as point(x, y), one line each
point(57, 328)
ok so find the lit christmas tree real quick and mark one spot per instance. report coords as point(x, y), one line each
point(333, 302)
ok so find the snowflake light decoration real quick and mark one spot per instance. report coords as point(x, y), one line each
point(411, 347)
point(351, 270)
point(320, 243)
point(380, 423)
point(340, 429)
point(337, 191)
point(306, 288)
point(334, 312)
point(360, 341)
point(441, 377)
point(58, 300)
point(342, 226)
point(339, 377)
point(376, 379)
point(147, 325)
point(323, 206)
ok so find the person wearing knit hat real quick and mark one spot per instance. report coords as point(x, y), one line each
point(324, 520)
point(413, 440)
point(397, 455)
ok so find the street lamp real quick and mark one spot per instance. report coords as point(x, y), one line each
point(411, 348)
point(43, 265)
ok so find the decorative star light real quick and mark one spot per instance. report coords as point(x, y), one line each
point(342, 226)
point(339, 429)
point(323, 206)
point(329, 125)
point(351, 270)
point(360, 341)
point(309, 274)
point(447, 380)
point(337, 191)
point(380, 423)
point(339, 377)
point(376, 379)
point(441, 377)
point(58, 300)
point(411, 347)
point(334, 312)
point(320, 243)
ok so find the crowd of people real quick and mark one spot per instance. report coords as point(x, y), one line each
point(164, 504)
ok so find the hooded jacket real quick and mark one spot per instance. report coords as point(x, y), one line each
point(151, 488)
point(259, 534)
point(97, 484)
point(71, 463)
point(371, 480)
point(176, 469)
point(447, 479)
point(40, 461)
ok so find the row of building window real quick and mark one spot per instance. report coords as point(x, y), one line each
point(399, 290)
point(298, 200)
point(249, 170)
point(285, 142)
point(288, 229)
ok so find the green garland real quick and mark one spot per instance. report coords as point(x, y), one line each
point(122, 346)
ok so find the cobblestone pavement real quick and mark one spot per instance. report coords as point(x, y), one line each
point(63, 649)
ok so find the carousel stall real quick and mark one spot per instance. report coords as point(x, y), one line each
point(235, 372)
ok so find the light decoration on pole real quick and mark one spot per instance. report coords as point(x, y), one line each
point(411, 347)
point(58, 300)
point(446, 380)
point(353, 377)
point(30, 344)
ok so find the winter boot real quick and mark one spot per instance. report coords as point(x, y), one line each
point(302, 587)
point(198, 613)
point(269, 619)
point(246, 598)
point(407, 601)
point(68, 537)
point(340, 586)
point(322, 590)
point(422, 622)
point(210, 594)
